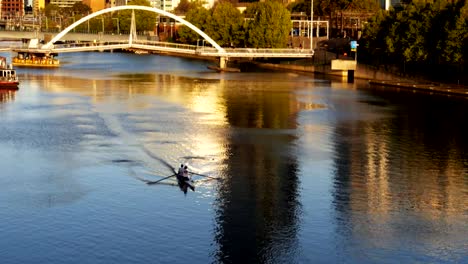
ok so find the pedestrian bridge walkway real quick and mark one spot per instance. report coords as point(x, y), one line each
point(157, 46)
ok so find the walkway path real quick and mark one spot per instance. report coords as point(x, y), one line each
point(459, 90)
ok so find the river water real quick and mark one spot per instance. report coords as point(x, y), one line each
point(310, 170)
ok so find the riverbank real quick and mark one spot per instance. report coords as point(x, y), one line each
point(440, 88)
point(375, 77)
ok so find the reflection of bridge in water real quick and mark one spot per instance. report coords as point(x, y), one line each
point(133, 43)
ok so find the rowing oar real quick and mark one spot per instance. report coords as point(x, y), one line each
point(160, 180)
point(203, 175)
point(165, 163)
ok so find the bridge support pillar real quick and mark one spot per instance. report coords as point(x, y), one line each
point(223, 62)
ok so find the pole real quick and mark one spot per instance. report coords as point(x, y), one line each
point(355, 56)
point(311, 24)
point(118, 28)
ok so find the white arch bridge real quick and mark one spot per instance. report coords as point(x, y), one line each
point(133, 43)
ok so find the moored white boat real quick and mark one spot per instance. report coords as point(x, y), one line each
point(8, 78)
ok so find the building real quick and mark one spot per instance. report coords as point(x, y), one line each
point(170, 5)
point(95, 5)
point(38, 5)
point(166, 5)
point(12, 9)
point(64, 3)
point(113, 3)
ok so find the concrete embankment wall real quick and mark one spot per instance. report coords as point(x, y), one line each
point(376, 77)
point(362, 71)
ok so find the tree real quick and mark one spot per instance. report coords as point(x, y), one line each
point(51, 10)
point(428, 38)
point(145, 20)
point(226, 25)
point(334, 8)
point(268, 25)
point(185, 5)
point(79, 8)
point(453, 46)
point(200, 18)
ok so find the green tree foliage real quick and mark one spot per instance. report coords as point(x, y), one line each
point(145, 20)
point(419, 34)
point(185, 5)
point(268, 25)
point(223, 23)
point(51, 10)
point(454, 48)
point(226, 25)
point(329, 7)
point(263, 25)
point(200, 18)
point(301, 6)
point(79, 8)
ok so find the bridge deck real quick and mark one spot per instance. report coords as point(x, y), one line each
point(174, 48)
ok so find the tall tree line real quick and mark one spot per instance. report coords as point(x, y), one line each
point(262, 25)
point(420, 37)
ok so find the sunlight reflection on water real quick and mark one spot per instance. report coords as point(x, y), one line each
point(311, 170)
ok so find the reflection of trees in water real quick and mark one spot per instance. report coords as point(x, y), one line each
point(124, 86)
point(258, 202)
point(257, 211)
point(406, 166)
point(250, 105)
point(7, 95)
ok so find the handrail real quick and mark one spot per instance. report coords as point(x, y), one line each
point(179, 48)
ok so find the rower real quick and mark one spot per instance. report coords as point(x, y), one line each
point(185, 173)
point(180, 173)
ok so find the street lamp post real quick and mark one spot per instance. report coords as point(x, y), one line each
point(172, 25)
point(311, 24)
point(60, 25)
point(118, 28)
point(73, 17)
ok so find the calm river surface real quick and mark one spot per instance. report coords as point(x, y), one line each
point(312, 170)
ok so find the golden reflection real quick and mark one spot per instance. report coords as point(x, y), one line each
point(433, 189)
point(7, 95)
point(381, 186)
point(212, 103)
point(378, 193)
point(209, 102)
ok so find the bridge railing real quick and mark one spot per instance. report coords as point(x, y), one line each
point(165, 44)
point(88, 43)
point(179, 48)
point(252, 52)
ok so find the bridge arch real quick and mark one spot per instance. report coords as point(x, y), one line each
point(49, 44)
